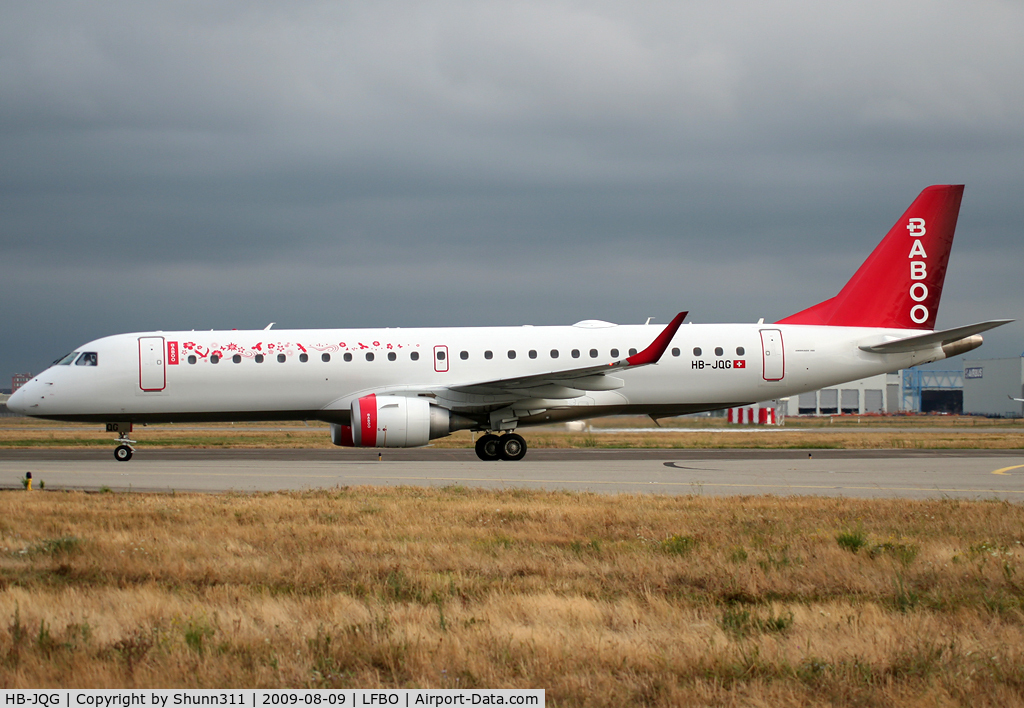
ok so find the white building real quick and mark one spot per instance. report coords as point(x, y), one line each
point(876, 394)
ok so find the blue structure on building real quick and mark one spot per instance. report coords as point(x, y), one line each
point(917, 382)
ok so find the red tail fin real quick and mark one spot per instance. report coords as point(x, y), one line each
point(900, 283)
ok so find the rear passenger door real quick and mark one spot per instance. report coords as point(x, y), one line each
point(773, 355)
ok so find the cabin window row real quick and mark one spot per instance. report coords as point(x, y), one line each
point(282, 358)
point(414, 356)
point(554, 354)
point(719, 351)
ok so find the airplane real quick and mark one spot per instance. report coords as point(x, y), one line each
point(394, 387)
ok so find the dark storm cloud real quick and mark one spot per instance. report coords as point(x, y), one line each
point(215, 165)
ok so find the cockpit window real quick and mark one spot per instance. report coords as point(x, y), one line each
point(66, 359)
point(87, 359)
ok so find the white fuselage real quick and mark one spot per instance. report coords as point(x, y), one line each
point(705, 367)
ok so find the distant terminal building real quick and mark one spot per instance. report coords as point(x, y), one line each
point(875, 394)
point(906, 391)
point(19, 380)
point(990, 384)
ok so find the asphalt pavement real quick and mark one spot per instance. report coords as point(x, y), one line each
point(972, 474)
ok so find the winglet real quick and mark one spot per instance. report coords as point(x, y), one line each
point(653, 353)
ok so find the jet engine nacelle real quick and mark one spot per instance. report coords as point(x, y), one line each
point(394, 421)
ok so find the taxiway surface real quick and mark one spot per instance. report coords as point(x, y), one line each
point(971, 474)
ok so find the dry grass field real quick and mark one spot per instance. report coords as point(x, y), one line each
point(840, 432)
point(602, 600)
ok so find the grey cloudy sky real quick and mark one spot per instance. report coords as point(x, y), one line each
point(217, 165)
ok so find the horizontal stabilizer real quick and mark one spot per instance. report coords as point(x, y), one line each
point(923, 341)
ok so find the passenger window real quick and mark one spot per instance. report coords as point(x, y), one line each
point(575, 353)
point(214, 358)
point(533, 353)
point(718, 351)
point(348, 356)
point(259, 359)
point(511, 353)
point(325, 357)
point(696, 351)
point(303, 357)
point(488, 354)
point(615, 353)
point(740, 351)
point(415, 356)
point(554, 353)
point(281, 358)
point(440, 354)
point(593, 353)
point(675, 351)
point(369, 356)
point(237, 358)
point(464, 355)
point(392, 356)
point(632, 352)
point(87, 359)
point(192, 358)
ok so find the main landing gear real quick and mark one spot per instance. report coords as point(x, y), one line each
point(510, 446)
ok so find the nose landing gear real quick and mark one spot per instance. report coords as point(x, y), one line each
point(124, 451)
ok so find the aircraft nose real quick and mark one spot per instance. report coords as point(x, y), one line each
point(26, 400)
point(18, 402)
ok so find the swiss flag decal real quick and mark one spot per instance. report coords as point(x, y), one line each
point(739, 364)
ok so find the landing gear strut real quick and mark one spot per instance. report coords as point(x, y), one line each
point(510, 446)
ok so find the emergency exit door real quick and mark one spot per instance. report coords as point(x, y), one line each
point(773, 355)
point(440, 358)
point(152, 364)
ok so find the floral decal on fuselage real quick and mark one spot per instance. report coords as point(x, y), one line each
point(289, 349)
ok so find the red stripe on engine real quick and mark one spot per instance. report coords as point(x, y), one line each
point(368, 421)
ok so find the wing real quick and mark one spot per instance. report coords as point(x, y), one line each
point(587, 378)
point(527, 394)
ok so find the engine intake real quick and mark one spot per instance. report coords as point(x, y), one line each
point(395, 421)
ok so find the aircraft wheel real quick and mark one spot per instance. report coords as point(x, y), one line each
point(122, 453)
point(487, 447)
point(512, 447)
